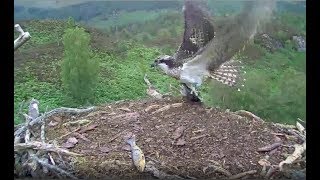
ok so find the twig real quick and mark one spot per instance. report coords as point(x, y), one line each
point(51, 159)
point(151, 91)
point(55, 168)
point(249, 114)
point(198, 137)
point(44, 147)
point(43, 138)
point(240, 175)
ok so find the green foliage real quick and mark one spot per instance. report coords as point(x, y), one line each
point(274, 90)
point(79, 68)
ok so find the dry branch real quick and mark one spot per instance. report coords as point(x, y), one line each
point(271, 171)
point(221, 170)
point(42, 118)
point(159, 174)
point(43, 147)
point(240, 175)
point(151, 91)
point(299, 150)
point(43, 138)
point(23, 37)
point(270, 147)
point(52, 167)
point(248, 114)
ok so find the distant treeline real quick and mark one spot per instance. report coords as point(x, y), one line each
point(87, 11)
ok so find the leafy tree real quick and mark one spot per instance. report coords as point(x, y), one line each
point(79, 69)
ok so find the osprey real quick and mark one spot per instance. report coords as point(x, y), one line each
point(207, 52)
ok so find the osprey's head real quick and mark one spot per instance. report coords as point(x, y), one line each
point(164, 62)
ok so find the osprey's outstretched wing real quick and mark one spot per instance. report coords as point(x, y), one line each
point(230, 39)
point(198, 30)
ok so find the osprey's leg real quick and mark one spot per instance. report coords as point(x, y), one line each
point(187, 92)
point(194, 90)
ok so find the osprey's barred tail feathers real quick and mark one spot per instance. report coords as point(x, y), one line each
point(229, 73)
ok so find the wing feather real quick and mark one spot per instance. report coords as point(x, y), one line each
point(232, 36)
point(198, 30)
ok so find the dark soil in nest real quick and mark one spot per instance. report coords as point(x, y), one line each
point(208, 137)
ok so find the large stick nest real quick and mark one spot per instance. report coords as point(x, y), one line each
point(179, 140)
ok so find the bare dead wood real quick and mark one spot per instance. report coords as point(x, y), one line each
point(283, 126)
point(249, 114)
point(43, 147)
point(150, 168)
point(270, 147)
point(151, 91)
point(240, 175)
point(151, 107)
point(299, 150)
point(78, 122)
point(52, 167)
point(42, 134)
point(51, 159)
point(167, 107)
point(23, 37)
point(46, 115)
point(178, 132)
point(271, 171)
point(218, 169)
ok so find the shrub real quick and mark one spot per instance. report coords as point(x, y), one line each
point(79, 69)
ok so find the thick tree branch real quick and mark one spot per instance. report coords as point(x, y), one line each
point(43, 147)
point(23, 37)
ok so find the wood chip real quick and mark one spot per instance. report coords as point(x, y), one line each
point(198, 131)
point(88, 128)
point(104, 149)
point(165, 108)
point(151, 107)
point(67, 145)
point(176, 105)
point(125, 109)
point(178, 132)
point(52, 123)
point(181, 142)
point(57, 118)
point(264, 162)
point(80, 136)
